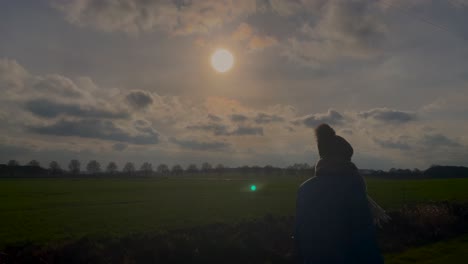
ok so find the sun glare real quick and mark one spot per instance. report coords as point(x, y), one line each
point(222, 60)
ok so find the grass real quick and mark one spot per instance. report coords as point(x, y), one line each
point(450, 251)
point(46, 210)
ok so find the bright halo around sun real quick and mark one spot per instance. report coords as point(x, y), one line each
point(222, 60)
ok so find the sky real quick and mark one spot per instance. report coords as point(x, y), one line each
point(131, 80)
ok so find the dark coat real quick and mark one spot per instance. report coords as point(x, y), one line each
point(333, 219)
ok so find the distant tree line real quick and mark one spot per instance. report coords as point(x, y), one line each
point(146, 169)
point(93, 168)
point(435, 171)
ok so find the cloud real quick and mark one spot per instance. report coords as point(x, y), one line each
point(17, 83)
point(347, 132)
point(243, 32)
point(288, 7)
point(12, 75)
point(238, 118)
point(201, 145)
point(49, 109)
point(141, 123)
point(332, 117)
point(344, 29)
point(253, 41)
point(246, 131)
point(352, 23)
point(262, 42)
point(216, 129)
point(98, 129)
point(119, 146)
point(52, 94)
point(285, 7)
point(139, 99)
point(388, 115)
point(222, 130)
point(55, 84)
point(448, 106)
point(133, 16)
point(263, 118)
point(214, 118)
point(439, 140)
point(392, 144)
point(13, 152)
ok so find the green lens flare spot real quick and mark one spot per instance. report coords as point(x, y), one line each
point(253, 188)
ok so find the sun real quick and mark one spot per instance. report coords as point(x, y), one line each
point(222, 60)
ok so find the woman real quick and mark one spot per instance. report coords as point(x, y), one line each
point(334, 222)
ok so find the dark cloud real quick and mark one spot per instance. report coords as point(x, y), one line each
point(392, 144)
point(49, 109)
point(332, 117)
point(139, 99)
point(222, 130)
point(238, 118)
point(200, 145)
point(247, 131)
point(214, 118)
point(143, 126)
point(388, 115)
point(263, 118)
point(99, 129)
point(439, 140)
point(216, 129)
point(141, 123)
point(119, 146)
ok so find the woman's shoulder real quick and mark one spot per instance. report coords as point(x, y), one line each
point(310, 185)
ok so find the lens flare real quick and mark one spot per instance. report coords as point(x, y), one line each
point(253, 188)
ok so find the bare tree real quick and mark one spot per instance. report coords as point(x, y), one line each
point(192, 168)
point(129, 168)
point(13, 163)
point(54, 167)
point(111, 168)
point(206, 167)
point(177, 169)
point(163, 169)
point(244, 169)
point(268, 169)
point(93, 167)
point(146, 168)
point(219, 168)
point(34, 163)
point(74, 166)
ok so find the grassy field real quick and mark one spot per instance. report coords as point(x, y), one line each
point(43, 210)
point(450, 251)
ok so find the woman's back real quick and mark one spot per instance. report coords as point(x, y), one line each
point(333, 219)
point(330, 210)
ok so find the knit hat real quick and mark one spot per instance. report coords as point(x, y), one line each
point(332, 146)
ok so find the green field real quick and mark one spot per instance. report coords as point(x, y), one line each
point(450, 251)
point(44, 210)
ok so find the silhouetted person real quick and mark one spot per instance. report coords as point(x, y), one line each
point(334, 223)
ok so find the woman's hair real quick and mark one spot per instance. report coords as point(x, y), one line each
point(324, 131)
